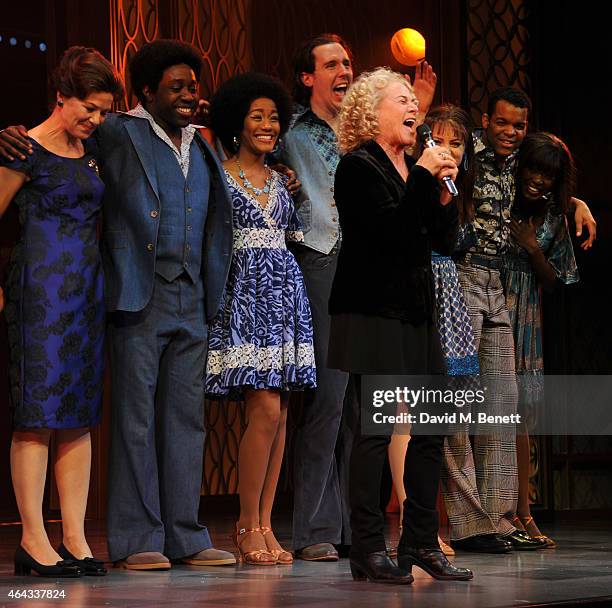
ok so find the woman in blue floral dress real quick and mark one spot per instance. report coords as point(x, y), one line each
point(55, 311)
point(539, 254)
point(260, 343)
point(452, 129)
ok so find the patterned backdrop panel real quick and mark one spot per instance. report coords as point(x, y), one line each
point(218, 28)
point(498, 50)
point(133, 23)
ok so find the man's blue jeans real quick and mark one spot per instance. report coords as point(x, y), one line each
point(157, 428)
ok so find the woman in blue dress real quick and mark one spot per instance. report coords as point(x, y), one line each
point(55, 311)
point(260, 343)
point(539, 255)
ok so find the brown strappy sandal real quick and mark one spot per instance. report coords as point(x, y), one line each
point(446, 549)
point(526, 521)
point(282, 556)
point(257, 557)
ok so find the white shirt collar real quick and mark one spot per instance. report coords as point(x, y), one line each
point(187, 135)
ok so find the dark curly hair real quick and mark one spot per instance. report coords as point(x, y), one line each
point(230, 104)
point(147, 66)
point(82, 71)
point(304, 61)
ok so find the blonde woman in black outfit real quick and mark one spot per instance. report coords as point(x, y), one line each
point(392, 211)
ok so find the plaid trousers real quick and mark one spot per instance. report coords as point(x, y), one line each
point(480, 483)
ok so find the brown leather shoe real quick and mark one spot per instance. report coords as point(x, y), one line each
point(210, 557)
point(148, 560)
point(321, 552)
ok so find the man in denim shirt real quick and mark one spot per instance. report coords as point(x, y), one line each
point(323, 72)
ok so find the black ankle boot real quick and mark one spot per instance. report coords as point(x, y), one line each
point(90, 566)
point(378, 568)
point(433, 561)
point(24, 564)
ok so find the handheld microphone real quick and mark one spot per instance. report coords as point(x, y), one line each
point(424, 132)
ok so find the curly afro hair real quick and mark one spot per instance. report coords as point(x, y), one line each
point(230, 104)
point(147, 66)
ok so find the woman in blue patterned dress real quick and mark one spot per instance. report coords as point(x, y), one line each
point(451, 128)
point(260, 343)
point(55, 311)
point(539, 254)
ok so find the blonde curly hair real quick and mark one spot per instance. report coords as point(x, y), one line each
point(357, 119)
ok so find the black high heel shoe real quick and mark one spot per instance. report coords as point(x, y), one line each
point(434, 562)
point(378, 568)
point(25, 563)
point(90, 566)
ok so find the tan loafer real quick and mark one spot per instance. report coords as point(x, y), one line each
point(321, 552)
point(148, 560)
point(210, 557)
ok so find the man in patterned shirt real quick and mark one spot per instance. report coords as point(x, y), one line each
point(483, 484)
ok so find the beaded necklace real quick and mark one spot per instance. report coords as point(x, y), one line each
point(249, 186)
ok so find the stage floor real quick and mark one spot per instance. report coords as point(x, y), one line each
point(578, 572)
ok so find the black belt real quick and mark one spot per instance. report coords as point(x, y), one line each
point(484, 261)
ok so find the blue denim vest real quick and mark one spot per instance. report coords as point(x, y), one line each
point(182, 213)
point(310, 149)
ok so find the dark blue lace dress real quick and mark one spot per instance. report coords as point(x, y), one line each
point(54, 294)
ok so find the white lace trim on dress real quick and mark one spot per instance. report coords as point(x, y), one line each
point(260, 358)
point(267, 238)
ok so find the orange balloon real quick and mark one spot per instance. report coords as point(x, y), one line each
point(408, 46)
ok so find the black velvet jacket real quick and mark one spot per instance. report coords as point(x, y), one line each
point(388, 230)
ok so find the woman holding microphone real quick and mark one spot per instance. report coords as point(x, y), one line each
point(392, 212)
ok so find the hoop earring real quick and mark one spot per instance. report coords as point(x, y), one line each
point(60, 103)
point(277, 146)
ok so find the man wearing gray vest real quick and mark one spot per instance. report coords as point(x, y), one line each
point(168, 238)
point(323, 72)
